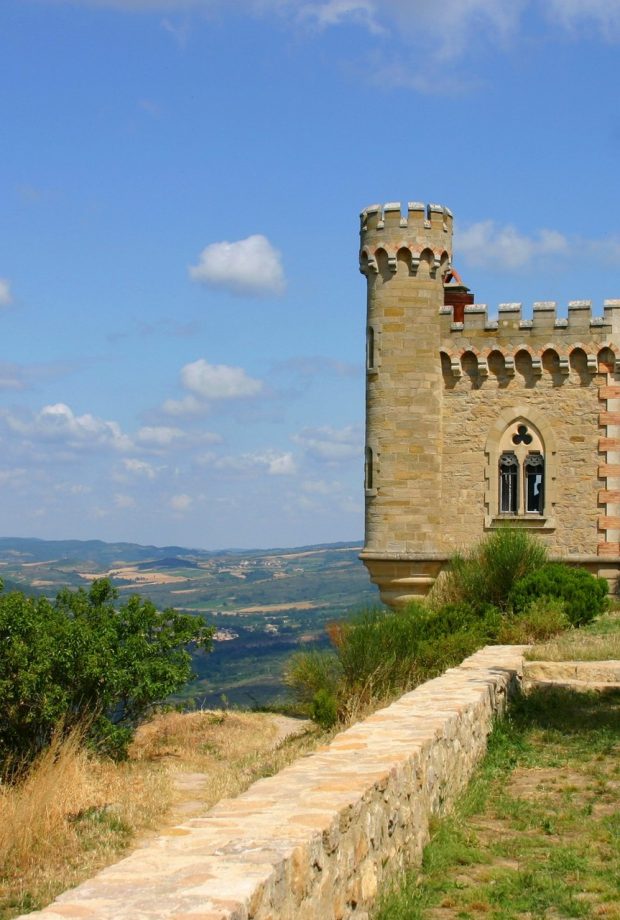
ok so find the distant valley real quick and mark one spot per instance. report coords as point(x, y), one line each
point(265, 604)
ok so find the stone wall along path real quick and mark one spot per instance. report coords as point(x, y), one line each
point(316, 841)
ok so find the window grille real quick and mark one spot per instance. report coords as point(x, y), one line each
point(534, 472)
point(508, 483)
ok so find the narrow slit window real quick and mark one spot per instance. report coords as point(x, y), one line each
point(370, 348)
point(508, 483)
point(368, 469)
point(534, 469)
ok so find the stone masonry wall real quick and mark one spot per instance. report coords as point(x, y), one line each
point(571, 411)
point(317, 840)
point(561, 375)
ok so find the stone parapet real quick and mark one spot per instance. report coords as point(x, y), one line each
point(511, 327)
point(419, 236)
point(320, 837)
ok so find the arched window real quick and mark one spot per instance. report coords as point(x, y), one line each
point(508, 483)
point(521, 474)
point(534, 486)
point(520, 471)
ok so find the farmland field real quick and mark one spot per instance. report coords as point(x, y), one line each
point(265, 604)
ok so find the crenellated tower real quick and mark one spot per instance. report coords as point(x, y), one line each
point(405, 258)
point(473, 422)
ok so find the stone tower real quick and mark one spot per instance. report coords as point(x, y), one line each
point(404, 260)
point(472, 423)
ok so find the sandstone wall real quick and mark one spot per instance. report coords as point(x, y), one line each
point(316, 841)
point(569, 411)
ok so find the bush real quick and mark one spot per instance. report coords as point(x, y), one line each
point(380, 652)
point(542, 619)
point(488, 573)
point(584, 596)
point(309, 673)
point(503, 591)
point(80, 660)
point(325, 709)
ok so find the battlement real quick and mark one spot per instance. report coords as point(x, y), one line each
point(511, 326)
point(418, 237)
point(417, 214)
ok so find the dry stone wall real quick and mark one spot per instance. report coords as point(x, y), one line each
point(316, 841)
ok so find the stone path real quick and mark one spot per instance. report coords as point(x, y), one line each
point(188, 786)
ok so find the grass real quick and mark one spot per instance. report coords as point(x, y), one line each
point(600, 641)
point(73, 813)
point(537, 835)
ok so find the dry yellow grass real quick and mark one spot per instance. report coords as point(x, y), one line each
point(575, 647)
point(69, 815)
point(73, 813)
point(230, 749)
point(598, 642)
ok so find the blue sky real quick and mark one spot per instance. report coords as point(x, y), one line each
point(181, 312)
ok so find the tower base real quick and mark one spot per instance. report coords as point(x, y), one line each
point(402, 578)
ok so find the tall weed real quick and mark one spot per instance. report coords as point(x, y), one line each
point(488, 573)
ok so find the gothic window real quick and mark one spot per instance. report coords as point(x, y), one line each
point(508, 483)
point(521, 470)
point(534, 473)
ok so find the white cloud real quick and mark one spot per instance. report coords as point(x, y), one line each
point(572, 14)
point(218, 381)
point(273, 462)
point(208, 383)
point(281, 464)
point(13, 477)
point(124, 501)
point(487, 245)
point(331, 445)
point(139, 468)
point(321, 487)
point(159, 435)
point(6, 297)
point(73, 488)
point(453, 28)
point(58, 422)
point(336, 12)
point(188, 405)
point(247, 267)
point(180, 502)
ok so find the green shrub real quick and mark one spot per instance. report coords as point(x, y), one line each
point(325, 708)
point(309, 673)
point(584, 596)
point(80, 660)
point(381, 652)
point(542, 619)
point(488, 572)
point(377, 649)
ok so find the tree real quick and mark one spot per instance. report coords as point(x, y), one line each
point(83, 659)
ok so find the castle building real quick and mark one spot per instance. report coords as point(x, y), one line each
point(472, 423)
